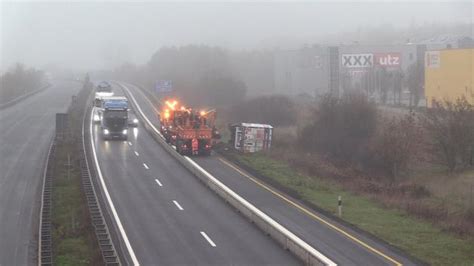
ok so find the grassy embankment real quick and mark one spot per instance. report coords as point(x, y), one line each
point(418, 238)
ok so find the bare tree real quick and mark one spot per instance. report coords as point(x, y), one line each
point(396, 144)
point(18, 81)
point(414, 81)
point(451, 126)
point(342, 128)
point(397, 78)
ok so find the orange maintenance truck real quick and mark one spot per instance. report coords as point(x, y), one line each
point(192, 132)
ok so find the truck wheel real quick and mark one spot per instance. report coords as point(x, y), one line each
point(206, 153)
point(178, 147)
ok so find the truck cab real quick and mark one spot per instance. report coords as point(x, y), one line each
point(190, 131)
point(114, 119)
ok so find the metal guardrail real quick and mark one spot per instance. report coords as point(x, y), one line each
point(45, 247)
point(287, 239)
point(101, 229)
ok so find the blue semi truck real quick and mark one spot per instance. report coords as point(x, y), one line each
point(114, 118)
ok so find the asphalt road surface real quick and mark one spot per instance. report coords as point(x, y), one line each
point(26, 130)
point(169, 217)
point(338, 242)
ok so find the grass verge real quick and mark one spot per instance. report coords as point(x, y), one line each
point(416, 237)
point(74, 240)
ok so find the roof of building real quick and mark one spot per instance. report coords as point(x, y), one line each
point(252, 125)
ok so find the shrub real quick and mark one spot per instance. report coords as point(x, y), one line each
point(275, 110)
point(18, 81)
point(451, 128)
point(395, 145)
point(341, 127)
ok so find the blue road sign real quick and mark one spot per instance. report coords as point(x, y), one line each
point(163, 86)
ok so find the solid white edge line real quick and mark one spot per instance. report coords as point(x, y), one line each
point(109, 200)
point(208, 239)
point(250, 206)
point(158, 182)
point(177, 205)
point(136, 153)
point(146, 166)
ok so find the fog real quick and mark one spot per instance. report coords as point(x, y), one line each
point(91, 35)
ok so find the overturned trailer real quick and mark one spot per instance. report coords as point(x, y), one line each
point(251, 137)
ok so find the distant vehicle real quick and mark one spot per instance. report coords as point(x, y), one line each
point(132, 121)
point(114, 118)
point(104, 89)
point(190, 131)
point(97, 108)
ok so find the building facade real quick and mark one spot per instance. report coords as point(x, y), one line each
point(321, 69)
point(449, 74)
point(311, 71)
point(379, 70)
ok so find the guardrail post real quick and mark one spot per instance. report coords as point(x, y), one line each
point(339, 206)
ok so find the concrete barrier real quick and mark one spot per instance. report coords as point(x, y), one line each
point(291, 242)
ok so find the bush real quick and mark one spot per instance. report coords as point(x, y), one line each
point(19, 81)
point(274, 110)
point(451, 128)
point(201, 75)
point(342, 128)
point(395, 145)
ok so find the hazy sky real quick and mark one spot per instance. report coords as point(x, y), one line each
point(100, 34)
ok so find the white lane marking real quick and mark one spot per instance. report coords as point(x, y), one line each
point(208, 239)
point(109, 199)
point(146, 166)
point(136, 153)
point(158, 182)
point(129, 143)
point(177, 205)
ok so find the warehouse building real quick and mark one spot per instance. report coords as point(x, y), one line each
point(317, 70)
point(449, 75)
point(447, 41)
point(310, 71)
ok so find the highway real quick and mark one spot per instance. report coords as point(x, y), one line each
point(26, 130)
point(169, 217)
point(337, 241)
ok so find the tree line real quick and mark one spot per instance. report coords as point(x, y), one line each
point(349, 130)
point(19, 81)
